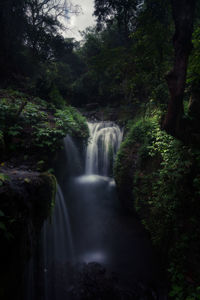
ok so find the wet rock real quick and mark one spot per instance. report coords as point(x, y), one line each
point(90, 281)
point(26, 201)
point(93, 282)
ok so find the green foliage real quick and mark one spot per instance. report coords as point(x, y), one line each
point(165, 189)
point(66, 121)
point(179, 289)
point(73, 121)
point(38, 125)
point(56, 97)
point(139, 133)
point(7, 111)
point(34, 113)
point(3, 178)
point(31, 39)
point(14, 130)
point(166, 182)
point(123, 11)
point(127, 58)
point(51, 182)
point(193, 78)
point(123, 61)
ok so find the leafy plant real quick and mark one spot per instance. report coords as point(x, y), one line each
point(3, 178)
point(165, 189)
point(37, 124)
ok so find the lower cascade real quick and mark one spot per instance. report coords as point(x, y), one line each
point(90, 234)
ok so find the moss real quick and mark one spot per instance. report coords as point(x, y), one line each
point(131, 155)
point(32, 131)
point(51, 184)
point(26, 200)
point(161, 176)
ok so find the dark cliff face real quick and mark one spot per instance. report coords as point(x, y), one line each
point(26, 199)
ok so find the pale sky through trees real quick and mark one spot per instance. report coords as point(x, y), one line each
point(83, 20)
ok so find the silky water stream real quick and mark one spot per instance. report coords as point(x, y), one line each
point(90, 234)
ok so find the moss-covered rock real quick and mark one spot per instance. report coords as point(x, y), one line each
point(130, 158)
point(26, 200)
point(31, 131)
point(163, 186)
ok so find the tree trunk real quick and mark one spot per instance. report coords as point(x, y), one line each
point(183, 15)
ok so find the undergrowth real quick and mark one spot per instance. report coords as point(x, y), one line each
point(30, 124)
point(165, 193)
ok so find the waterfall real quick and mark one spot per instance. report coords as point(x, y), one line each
point(95, 229)
point(56, 244)
point(55, 250)
point(94, 194)
point(57, 240)
point(105, 139)
point(57, 237)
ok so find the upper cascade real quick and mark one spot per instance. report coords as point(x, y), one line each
point(105, 139)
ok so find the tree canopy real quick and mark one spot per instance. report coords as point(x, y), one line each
point(124, 59)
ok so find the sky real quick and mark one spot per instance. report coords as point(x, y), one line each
point(83, 20)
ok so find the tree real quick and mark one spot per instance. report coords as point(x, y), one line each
point(183, 15)
point(12, 28)
point(44, 21)
point(30, 32)
point(124, 11)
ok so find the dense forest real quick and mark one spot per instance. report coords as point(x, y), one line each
point(138, 67)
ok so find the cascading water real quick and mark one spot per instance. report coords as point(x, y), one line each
point(105, 140)
point(56, 245)
point(92, 194)
point(56, 248)
point(57, 238)
point(101, 232)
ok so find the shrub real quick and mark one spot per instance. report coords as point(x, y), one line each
point(165, 184)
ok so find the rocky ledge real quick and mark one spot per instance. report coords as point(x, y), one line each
point(26, 200)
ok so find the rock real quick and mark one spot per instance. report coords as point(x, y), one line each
point(26, 201)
